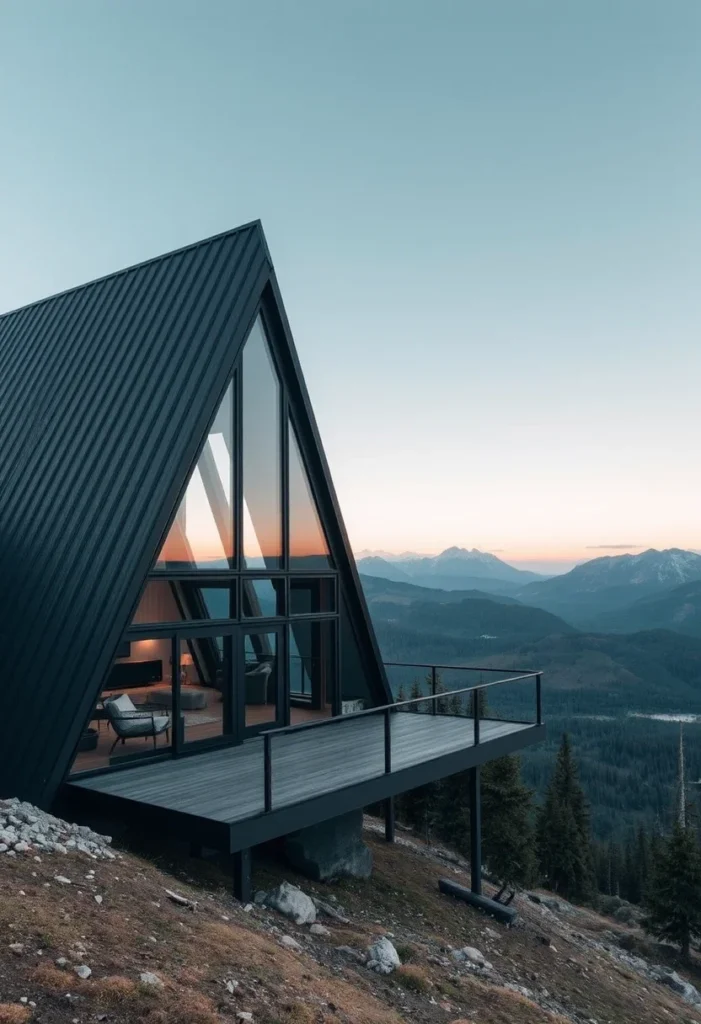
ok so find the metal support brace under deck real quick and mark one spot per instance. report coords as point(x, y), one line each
point(242, 875)
point(475, 831)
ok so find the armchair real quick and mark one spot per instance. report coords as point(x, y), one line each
point(127, 721)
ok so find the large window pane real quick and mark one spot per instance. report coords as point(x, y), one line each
point(262, 515)
point(356, 693)
point(182, 600)
point(205, 687)
point(262, 597)
point(308, 546)
point(202, 534)
point(312, 647)
point(260, 680)
point(309, 596)
point(132, 717)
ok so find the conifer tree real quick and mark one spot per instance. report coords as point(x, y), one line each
point(507, 830)
point(414, 694)
point(673, 896)
point(563, 832)
point(454, 812)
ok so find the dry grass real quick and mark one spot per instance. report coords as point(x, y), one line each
point(137, 929)
point(413, 978)
point(115, 990)
point(14, 1013)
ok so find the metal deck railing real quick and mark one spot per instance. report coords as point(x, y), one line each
point(442, 702)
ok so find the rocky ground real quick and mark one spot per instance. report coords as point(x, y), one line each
point(88, 934)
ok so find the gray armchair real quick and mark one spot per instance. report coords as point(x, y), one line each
point(128, 722)
point(257, 679)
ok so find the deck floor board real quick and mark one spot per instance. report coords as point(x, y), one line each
point(228, 785)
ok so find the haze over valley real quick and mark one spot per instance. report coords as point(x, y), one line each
point(618, 639)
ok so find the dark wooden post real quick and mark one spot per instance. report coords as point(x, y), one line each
point(242, 875)
point(475, 831)
point(389, 819)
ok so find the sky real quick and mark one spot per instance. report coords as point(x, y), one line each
point(485, 218)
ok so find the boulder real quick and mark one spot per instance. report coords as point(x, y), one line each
point(291, 902)
point(470, 955)
point(683, 988)
point(331, 849)
point(383, 957)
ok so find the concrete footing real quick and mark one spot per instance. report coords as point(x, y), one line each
point(331, 849)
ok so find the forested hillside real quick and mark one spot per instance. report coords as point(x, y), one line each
point(594, 685)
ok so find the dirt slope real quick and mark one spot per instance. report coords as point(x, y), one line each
point(217, 960)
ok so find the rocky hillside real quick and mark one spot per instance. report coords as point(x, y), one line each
point(91, 938)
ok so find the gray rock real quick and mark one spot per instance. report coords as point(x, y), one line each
point(148, 978)
point(291, 902)
point(349, 951)
point(683, 988)
point(319, 929)
point(470, 955)
point(289, 943)
point(383, 958)
point(62, 880)
point(83, 971)
point(331, 849)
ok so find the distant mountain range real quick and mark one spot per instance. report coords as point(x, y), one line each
point(613, 594)
point(589, 592)
point(454, 569)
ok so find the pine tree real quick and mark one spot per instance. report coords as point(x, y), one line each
point(673, 896)
point(420, 808)
point(564, 841)
point(455, 705)
point(454, 812)
point(414, 694)
point(507, 828)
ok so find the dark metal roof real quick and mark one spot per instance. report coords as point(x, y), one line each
point(106, 392)
point(106, 395)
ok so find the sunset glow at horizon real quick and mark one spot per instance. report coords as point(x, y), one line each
point(486, 229)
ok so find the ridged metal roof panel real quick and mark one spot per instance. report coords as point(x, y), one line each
point(106, 392)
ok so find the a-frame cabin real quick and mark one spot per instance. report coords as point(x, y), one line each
point(184, 633)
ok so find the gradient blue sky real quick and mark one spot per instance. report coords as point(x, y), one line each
point(485, 218)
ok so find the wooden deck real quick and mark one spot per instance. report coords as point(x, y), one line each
point(227, 786)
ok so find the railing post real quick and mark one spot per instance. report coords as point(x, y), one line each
point(268, 772)
point(539, 698)
point(388, 742)
point(433, 690)
point(476, 712)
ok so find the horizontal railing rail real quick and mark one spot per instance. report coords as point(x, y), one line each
point(402, 706)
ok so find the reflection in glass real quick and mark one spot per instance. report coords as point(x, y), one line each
point(205, 687)
point(262, 515)
point(182, 600)
point(262, 598)
point(202, 535)
point(308, 546)
point(312, 647)
point(309, 596)
point(260, 679)
point(356, 692)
